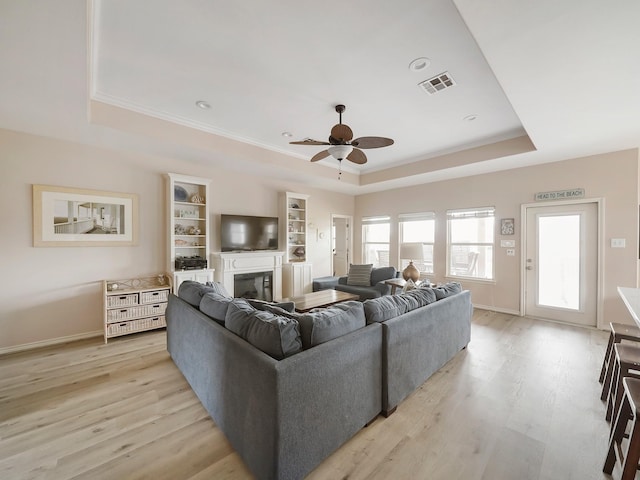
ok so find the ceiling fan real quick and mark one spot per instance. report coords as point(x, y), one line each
point(342, 144)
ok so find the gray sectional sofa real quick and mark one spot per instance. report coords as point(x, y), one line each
point(326, 374)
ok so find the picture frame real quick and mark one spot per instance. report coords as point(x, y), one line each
point(507, 226)
point(73, 217)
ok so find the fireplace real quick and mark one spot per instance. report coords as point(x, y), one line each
point(250, 273)
point(253, 285)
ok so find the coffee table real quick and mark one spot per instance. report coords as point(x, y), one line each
point(323, 298)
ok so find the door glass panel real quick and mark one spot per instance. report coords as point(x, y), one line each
point(559, 261)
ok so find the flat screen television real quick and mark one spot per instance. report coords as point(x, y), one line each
point(245, 233)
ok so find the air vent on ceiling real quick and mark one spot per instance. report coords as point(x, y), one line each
point(437, 83)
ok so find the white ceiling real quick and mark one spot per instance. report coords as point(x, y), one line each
point(565, 75)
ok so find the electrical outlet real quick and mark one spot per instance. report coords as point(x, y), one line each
point(511, 252)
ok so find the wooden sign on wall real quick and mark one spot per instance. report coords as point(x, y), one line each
point(560, 195)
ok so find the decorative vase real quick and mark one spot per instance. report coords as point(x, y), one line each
point(411, 273)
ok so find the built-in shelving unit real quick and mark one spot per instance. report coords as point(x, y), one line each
point(189, 230)
point(296, 271)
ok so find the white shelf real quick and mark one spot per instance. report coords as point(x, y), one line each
point(185, 215)
point(294, 217)
point(296, 270)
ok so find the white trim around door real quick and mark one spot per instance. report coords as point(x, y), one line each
point(599, 202)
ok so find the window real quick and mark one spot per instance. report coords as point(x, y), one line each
point(375, 240)
point(470, 243)
point(418, 228)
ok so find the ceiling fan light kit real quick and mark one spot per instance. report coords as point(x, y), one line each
point(341, 143)
point(340, 152)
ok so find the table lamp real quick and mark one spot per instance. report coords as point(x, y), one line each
point(412, 251)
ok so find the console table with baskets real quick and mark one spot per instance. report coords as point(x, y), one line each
point(135, 304)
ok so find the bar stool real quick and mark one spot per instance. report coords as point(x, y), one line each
point(629, 456)
point(626, 363)
point(618, 333)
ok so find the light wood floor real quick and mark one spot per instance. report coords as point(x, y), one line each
point(522, 402)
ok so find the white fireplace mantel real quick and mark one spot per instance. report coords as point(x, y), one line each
point(228, 264)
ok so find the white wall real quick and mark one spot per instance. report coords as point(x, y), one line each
point(55, 292)
point(611, 176)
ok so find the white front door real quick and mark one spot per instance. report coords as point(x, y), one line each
point(561, 263)
point(340, 245)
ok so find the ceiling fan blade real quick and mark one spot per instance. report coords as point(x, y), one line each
point(309, 141)
point(372, 142)
point(342, 132)
point(320, 155)
point(357, 156)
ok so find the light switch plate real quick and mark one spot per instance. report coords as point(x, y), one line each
point(618, 243)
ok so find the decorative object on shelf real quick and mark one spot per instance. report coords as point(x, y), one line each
point(65, 216)
point(180, 242)
point(411, 251)
point(507, 226)
point(194, 231)
point(294, 205)
point(410, 285)
point(180, 194)
point(179, 229)
point(197, 198)
point(299, 252)
point(112, 286)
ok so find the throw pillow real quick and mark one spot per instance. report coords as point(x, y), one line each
point(215, 305)
point(326, 324)
point(446, 290)
point(276, 336)
point(263, 304)
point(360, 275)
point(192, 292)
point(219, 288)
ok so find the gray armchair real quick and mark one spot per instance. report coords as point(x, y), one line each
point(376, 287)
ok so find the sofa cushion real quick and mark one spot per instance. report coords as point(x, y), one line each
point(275, 335)
point(446, 290)
point(192, 292)
point(391, 306)
point(219, 288)
point(360, 275)
point(382, 273)
point(324, 324)
point(215, 305)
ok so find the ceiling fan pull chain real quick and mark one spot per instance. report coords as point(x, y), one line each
point(339, 169)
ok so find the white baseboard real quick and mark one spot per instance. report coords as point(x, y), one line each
point(496, 309)
point(50, 342)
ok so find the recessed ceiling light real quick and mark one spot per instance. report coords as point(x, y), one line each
point(419, 64)
point(470, 118)
point(203, 105)
point(287, 134)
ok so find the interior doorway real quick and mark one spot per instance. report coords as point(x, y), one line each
point(341, 244)
point(561, 262)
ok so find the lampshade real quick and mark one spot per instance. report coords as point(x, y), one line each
point(340, 152)
point(412, 251)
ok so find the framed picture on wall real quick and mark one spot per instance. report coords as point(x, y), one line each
point(507, 226)
point(65, 217)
